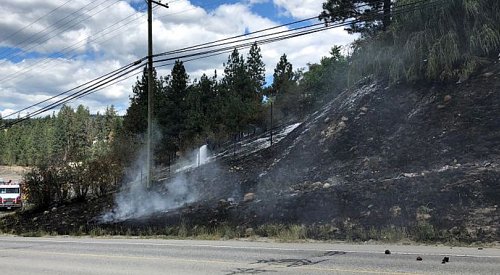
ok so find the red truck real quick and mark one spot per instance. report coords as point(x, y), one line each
point(10, 195)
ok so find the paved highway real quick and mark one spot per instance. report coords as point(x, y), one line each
point(66, 255)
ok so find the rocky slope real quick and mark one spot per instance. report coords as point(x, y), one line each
point(419, 157)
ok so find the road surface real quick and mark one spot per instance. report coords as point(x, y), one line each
point(66, 255)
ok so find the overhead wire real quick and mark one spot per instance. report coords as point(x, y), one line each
point(44, 36)
point(117, 71)
point(51, 98)
point(245, 34)
point(37, 39)
point(36, 20)
point(95, 37)
point(73, 96)
point(73, 47)
point(229, 49)
point(119, 76)
point(250, 40)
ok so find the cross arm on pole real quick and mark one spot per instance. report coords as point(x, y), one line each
point(159, 3)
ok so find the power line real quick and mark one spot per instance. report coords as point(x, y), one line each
point(117, 71)
point(220, 51)
point(47, 60)
point(101, 34)
point(123, 71)
point(38, 19)
point(57, 28)
point(271, 37)
point(73, 47)
point(43, 30)
point(202, 46)
point(73, 96)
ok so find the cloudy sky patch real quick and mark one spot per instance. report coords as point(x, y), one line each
point(61, 44)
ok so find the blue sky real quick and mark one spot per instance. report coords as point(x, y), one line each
point(31, 72)
point(265, 9)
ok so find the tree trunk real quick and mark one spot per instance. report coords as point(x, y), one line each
point(386, 21)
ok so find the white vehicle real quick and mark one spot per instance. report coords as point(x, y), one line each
point(10, 196)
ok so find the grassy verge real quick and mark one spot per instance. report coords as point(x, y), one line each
point(421, 233)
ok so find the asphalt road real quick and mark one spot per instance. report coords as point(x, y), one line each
point(65, 255)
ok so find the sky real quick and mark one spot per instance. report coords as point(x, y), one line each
point(51, 46)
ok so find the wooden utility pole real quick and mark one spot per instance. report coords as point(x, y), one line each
point(151, 87)
point(271, 123)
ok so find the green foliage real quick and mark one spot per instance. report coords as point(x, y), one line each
point(186, 114)
point(283, 76)
point(447, 41)
point(58, 181)
point(70, 136)
point(256, 69)
point(373, 15)
point(237, 88)
point(71, 154)
point(135, 120)
point(38, 187)
point(329, 76)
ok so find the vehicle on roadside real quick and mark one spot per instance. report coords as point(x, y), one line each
point(10, 195)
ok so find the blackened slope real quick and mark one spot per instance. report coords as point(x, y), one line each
point(400, 155)
point(378, 131)
point(405, 156)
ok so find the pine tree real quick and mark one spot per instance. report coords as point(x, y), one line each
point(83, 136)
point(447, 41)
point(236, 84)
point(283, 74)
point(135, 120)
point(111, 124)
point(374, 15)
point(172, 117)
point(256, 70)
point(64, 134)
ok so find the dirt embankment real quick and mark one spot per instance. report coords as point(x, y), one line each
point(424, 157)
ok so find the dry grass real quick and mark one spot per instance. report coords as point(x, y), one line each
point(12, 172)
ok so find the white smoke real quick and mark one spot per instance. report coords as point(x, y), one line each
point(135, 200)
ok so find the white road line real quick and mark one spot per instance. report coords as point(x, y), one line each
point(248, 247)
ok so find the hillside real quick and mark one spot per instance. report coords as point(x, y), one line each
point(420, 158)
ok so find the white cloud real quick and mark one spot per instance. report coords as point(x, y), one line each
point(301, 8)
point(100, 52)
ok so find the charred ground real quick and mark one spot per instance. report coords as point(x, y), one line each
point(423, 159)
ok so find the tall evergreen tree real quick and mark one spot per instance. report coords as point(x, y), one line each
point(236, 88)
point(111, 124)
point(83, 136)
point(374, 15)
point(135, 120)
point(447, 41)
point(64, 134)
point(172, 117)
point(283, 74)
point(256, 70)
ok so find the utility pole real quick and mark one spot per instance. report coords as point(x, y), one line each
point(150, 91)
point(272, 99)
point(271, 123)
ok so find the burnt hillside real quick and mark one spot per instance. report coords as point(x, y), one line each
point(373, 157)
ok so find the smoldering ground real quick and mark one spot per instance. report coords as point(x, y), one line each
point(175, 189)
